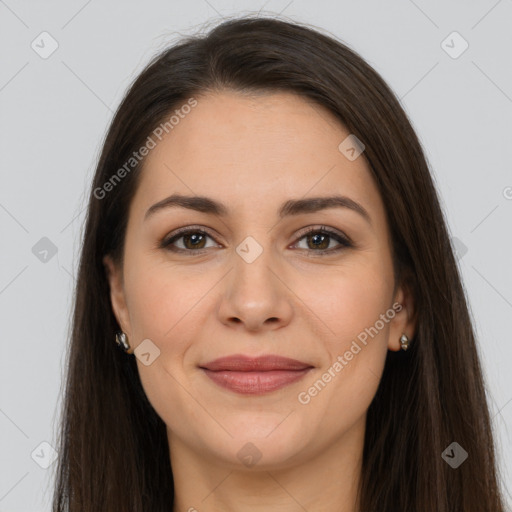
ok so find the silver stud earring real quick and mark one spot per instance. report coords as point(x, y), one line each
point(404, 342)
point(122, 341)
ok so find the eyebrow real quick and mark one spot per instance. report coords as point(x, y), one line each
point(291, 207)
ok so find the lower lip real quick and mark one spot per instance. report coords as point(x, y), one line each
point(255, 383)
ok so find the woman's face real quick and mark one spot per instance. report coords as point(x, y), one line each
point(255, 283)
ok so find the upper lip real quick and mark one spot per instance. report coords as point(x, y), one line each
point(243, 363)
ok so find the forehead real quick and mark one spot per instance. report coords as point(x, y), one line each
point(242, 149)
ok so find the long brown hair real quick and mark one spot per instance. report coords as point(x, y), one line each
point(113, 451)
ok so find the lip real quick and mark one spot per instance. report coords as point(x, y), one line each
point(255, 375)
point(241, 363)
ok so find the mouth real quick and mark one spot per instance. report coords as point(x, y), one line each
point(255, 376)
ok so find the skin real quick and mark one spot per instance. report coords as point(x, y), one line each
point(253, 152)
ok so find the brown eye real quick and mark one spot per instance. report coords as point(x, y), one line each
point(319, 239)
point(194, 240)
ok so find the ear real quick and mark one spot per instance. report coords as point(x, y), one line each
point(404, 321)
point(117, 295)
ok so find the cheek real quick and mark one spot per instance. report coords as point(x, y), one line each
point(355, 342)
point(348, 300)
point(167, 307)
point(163, 300)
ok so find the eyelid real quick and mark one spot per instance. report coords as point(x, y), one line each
point(313, 228)
point(176, 234)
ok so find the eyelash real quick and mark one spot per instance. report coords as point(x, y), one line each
point(167, 242)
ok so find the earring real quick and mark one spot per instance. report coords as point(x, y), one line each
point(404, 342)
point(122, 341)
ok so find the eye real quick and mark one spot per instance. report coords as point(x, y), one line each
point(318, 240)
point(193, 240)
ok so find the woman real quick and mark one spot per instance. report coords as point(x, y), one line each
point(268, 313)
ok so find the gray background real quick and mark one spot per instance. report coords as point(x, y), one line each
point(54, 113)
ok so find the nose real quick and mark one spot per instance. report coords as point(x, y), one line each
point(255, 296)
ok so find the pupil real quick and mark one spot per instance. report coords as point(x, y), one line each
point(194, 238)
point(321, 245)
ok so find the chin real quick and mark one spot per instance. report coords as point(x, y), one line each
point(260, 445)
